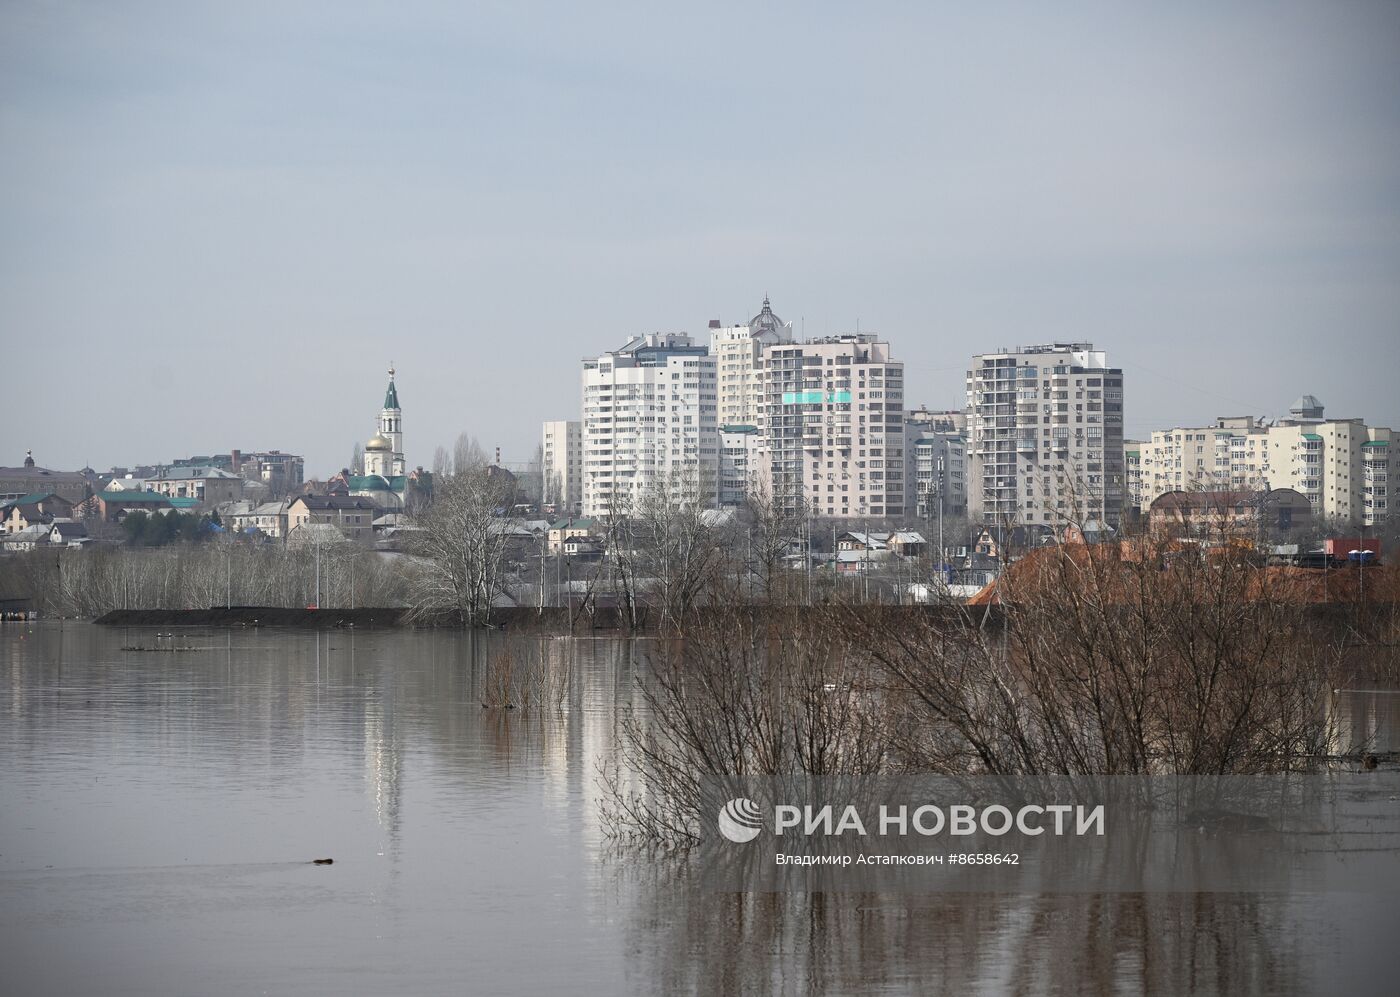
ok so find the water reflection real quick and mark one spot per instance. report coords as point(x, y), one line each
point(158, 810)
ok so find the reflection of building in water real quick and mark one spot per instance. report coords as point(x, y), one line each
point(383, 768)
point(1364, 720)
point(383, 751)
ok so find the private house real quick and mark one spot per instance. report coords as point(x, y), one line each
point(36, 508)
point(583, 548)
point(113, 506)
point(1279, 511)
point(270, 519)
point(26, 539)
point(994, 541)
point(566, 529)
point(67, 533)
point(904, 543)
point(353, 516)
point(316, 535)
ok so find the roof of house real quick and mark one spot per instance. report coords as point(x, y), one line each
point(33, 498)
point(574, 524)
point(69, 529)
point(316, 532)
point(30, 511)
point(196, 473)
point(327, 502)
point(134, 498)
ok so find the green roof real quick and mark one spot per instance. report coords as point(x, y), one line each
point(33, 497)
point(1312, 436)
point(183, 502)
point(1376, 443)
point(376, 482)
point(391, 397)
point(573, 524)
point(738, 429)
point(150, 498)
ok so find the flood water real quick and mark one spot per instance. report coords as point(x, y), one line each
point(159, 813)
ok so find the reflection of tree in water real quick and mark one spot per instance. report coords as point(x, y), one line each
point(688, 940)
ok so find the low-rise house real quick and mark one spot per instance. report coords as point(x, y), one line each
point(353, 516)
point(855, 561)
point(67, 533)
point(310, 534)
point(270, 519)
point(1277, 512)
point(566, 528)
point(34, 508)
point(994, 541)
point(112, 506)
point(27, 539)
point(583, 548)
point(905, 543)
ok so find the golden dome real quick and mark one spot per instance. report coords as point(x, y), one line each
point(378, 442)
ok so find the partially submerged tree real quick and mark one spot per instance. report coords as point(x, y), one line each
point(461, 540)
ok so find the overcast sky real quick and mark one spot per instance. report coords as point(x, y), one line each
point(220, 222)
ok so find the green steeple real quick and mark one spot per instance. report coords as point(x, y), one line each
point(391, 397)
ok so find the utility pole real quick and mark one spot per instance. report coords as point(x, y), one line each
point(942, 571)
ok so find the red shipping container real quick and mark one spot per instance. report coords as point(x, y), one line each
point(1342, 546)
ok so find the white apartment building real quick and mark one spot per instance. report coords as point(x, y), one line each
point(739, 449)
point(649, 417)
point(1341, 465)
point(833, 427)
point(1045, 436)
point(935, 472)
point(738, 351)
point(563, 464)
point(1199, 458)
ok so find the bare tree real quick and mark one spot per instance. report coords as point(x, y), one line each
point(536, 467)
point(462, 542)
point(740, 696)
point(442, 462)
point(1136, 659)
point(467, 454)
point(357, 459)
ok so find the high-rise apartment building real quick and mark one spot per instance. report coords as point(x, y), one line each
point(935, 475)
point(649, 418)
point(1341, 465)
point(738, 351)
point(563, 464)
point(1045, 436)
point(1200, 458)
point(833, 427)
point(739, 448)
